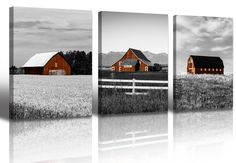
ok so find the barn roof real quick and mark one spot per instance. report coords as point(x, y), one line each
point(141, 56)
point(39, 59)
point(207, 62)
point(129, 62)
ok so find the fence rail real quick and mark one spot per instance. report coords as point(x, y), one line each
point(134, 86)
point(133, 141)
point(132, 80)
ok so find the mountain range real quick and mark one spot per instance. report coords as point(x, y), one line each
point(107, 59)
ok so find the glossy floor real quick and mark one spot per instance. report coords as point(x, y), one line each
point(66, 141)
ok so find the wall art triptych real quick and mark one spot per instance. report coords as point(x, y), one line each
point(51, 83)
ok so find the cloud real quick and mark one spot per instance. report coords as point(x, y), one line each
point(218, 48)
point(218, 39)
point(205, 26)
point(212, 25)
point(195, 49)
point(192, 30)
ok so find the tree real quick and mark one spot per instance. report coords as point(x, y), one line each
point(157, 67)
point(89, 63)
point(13, 70)
point(81, 63)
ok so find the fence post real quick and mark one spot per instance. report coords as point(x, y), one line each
point(133, 89)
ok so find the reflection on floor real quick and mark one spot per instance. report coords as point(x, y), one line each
point(51, 141)
point(198, 137)
point(202, 136)
point(133, 138)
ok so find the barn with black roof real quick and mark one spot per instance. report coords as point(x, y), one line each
point(205, 65)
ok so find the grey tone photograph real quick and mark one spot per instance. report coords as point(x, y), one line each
point(50, 63)
point(203, 63)
point(133, 87)
point(133, 63)
point(203, 87)
point(50, 85)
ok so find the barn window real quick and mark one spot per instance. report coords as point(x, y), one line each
point(201, 69)
point(119, 69)
point(220, 70)
point(113, 68)
point(209, 69)
point(128, 66)
point(205, 69)
point(213, 69)
point(146, 68)
point(217, 69)
point(55, 64)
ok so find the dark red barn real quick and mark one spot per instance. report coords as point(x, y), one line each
point(51, 63)
point(132, 61)
point(205, 65)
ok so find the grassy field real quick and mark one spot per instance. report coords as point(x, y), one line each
point(115, 101)
point(203, 92)
point(43, 97)
point(108, 74)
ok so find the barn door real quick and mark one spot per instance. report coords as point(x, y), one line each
point(137, 66)
point(190, 66)
point(57, 72)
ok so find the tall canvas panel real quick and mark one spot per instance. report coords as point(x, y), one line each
point(133, 63)
point(203, 86)
point(133, 87)
point(50, 85)
point(203, 70)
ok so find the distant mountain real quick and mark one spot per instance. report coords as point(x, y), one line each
point(107, 59)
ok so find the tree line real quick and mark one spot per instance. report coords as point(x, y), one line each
point(80, 62)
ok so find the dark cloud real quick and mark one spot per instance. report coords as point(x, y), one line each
point(85, 37)
point(64, 29)
point(29, 24)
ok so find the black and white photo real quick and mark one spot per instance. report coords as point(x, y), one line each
point(133, 63)
point(50, 63)
point(203, 63)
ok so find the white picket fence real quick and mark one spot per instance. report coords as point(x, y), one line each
point(133, 87)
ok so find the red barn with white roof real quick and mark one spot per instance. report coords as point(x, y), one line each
point(51, 63)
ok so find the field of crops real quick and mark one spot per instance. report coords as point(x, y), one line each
point(43, 97)
point(115, 101)
point(203, 92)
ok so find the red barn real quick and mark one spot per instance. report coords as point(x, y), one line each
point(205, 65)
point(133, 60)
point(51, 63)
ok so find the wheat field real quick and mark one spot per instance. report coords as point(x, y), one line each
point(43, 97)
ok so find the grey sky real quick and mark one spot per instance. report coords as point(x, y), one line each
point(209, 36)
point(44, 30)
point(121, 31)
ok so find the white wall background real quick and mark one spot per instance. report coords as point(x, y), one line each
point(181, 7)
